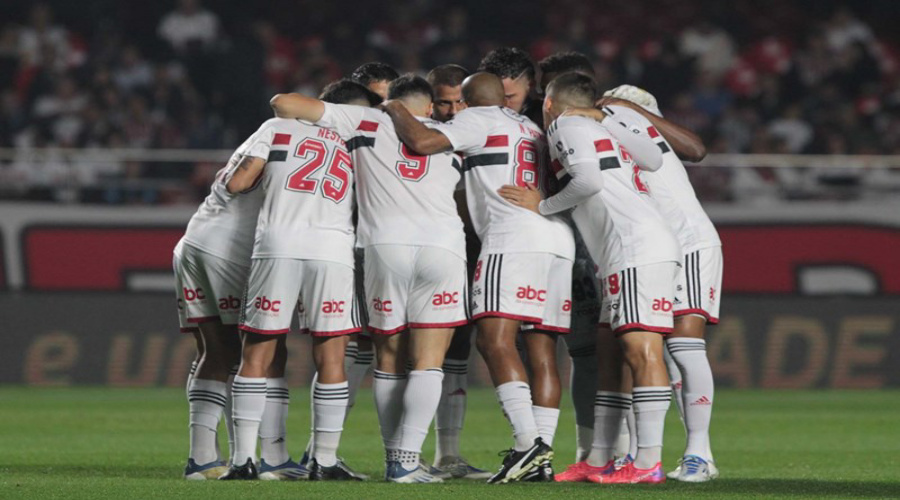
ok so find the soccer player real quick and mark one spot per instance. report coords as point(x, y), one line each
point(637, 254)
point(375, 76)
point(303, 256)
point(581, 343)
point(698, 290)
point(415, 261)
point(211, 264)
point(524, 272)
point(447, 81)
point(516, 69)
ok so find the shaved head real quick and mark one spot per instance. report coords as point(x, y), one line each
point(483, 89)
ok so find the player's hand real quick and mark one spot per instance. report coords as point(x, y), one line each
point(528, 197)
point(592, 113)
point(633, 94)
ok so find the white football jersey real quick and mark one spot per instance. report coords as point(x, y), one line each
point(672, 189)
point(308, 183)
point(404, 198)
point(621, 225)
point(502, 147)
point(225, 223)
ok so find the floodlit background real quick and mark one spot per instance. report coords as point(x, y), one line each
point(114, 115)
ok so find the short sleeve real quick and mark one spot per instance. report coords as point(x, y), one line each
point(347, 120)
point(259, 144)
point(466, 131)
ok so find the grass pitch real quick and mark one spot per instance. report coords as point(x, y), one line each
point(132, 443)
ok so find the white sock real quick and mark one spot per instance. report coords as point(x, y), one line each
point(249, 396)
point(451, 411)
point(675, 382)
point(609, 407)
point(330, 402)
point(357, 371)
point(583, 385)
point(650, 407)
point(206, 399)
point(546, 420)
point(515, 399)
point(312, 408)
point(389, 389)
point(190, 378)
point(697, 399)
point(624, 440)
point(631, 424)
point(229, 408)
point(420, 402)
point(273, 428)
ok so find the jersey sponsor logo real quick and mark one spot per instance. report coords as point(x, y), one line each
point(662, 305)
point(529, 293)
point(333, 306)
point(567, 306)
point(380, 305)
point(445, 298)
point(230, 302)
point(265, 304)
point(192, 294)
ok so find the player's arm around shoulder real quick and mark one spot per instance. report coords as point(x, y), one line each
point(415, 134)
point(246, 173)
point(686, 144)
point(297, 106)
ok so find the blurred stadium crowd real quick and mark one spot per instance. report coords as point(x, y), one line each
point(761, 76)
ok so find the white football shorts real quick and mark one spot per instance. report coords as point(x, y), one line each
point(207, 287)
point(640, 299)
point(698, 289)
point(322, 292)
point(535, 288)
point(414, 287)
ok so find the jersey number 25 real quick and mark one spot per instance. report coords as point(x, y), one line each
point(336, 181)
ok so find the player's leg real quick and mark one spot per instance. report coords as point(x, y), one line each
point(646, 296)
point(269, 299)
point(364, 352)
point(701, 282)
point(581, 344)
point(328, 300)
point(448, 422)
point(206, 396)
point(275, 462)
point(505, 293)
point(389, 386)
point(610, 402)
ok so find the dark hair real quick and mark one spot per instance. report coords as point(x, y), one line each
point(450, 75)
point(573, 88)
point(374, 72)
point(410, 84)
point(508, 62)
point(346, 90)
point(563, 62)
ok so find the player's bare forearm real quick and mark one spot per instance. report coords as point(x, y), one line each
point(686, 144)
point(244, 176)
point(413, 133)
point(297, 106)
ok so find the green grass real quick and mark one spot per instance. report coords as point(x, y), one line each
point(123, 444)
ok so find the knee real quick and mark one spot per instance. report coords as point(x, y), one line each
point(642, 354)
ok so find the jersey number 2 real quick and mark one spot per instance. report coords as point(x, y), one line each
point(337, 177)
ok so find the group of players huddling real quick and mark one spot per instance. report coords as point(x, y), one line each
point(360, 211)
